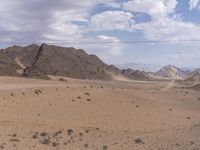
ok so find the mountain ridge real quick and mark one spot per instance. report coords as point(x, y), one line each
point(170, 72)
point(36, 61)
point(41, 61)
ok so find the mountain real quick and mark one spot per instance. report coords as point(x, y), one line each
point(14, 59)
point(192, 78)
point(170, 72)
point(136, 74)
point(41, 61)
point(139, 66)
point(196, 87)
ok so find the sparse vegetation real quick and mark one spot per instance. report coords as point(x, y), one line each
point(85, 145)
point(37, 92)
point(43, 134)
point(105, 147)
point(188, 117)
point(57, 133)
point(35, 136)
point(70, 131)
point(87, 94)
point(55, 144)
point(138, 141)
point(89, 100)
point(14, 140)
point(45, 141)
point(62, 80)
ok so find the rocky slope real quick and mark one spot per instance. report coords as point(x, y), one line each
point(191, 79)
point(41, 61)
point(136, 74)
point(170, 72)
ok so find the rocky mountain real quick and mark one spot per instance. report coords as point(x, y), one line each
point(14, 59)
point(140, 66)
point(170, 72)
point(191, 79)
point(136, 74)
point(41, 61)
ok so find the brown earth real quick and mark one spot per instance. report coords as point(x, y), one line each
point(97, 115)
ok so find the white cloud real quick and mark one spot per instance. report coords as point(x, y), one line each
point(61, 32)
point(108, 38)
point(157, 9)
point(115, 48)
point(112, 20)
point(170, 29)
point(38, 20)
point(113, 5)
point(165, 23)
point(194, 4)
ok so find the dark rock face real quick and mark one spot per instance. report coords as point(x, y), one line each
point(41, 61)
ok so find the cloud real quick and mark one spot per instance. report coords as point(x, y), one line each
point(170, 29)
point(108, 38)
point(158, 9)
point(112, 20)
point(194, 4)
point(112, 5)
point(115, 48)
point(41, 20)
point(165, 23)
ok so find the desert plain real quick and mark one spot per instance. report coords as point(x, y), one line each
point(74, 114)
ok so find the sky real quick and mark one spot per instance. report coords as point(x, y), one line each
point(103, 27)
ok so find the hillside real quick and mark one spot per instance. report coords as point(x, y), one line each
point(136, 74)
point(170, 72)
point(41, 61)
point(191, 79)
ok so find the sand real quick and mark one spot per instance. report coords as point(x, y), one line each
point(97, 115)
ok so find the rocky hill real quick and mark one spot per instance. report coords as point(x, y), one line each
point(170, 72)
point(136, 74)
point(41, 61)
point(191, 79)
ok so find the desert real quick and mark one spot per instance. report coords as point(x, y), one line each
point(99, 75)
point(88, 114)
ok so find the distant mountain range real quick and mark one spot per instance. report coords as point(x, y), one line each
point(36, 61)
point(140, 66)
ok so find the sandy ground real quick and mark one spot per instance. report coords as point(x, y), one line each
point(97, 115)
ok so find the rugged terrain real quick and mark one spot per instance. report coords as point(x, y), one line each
point(35, 61)
point(84, 114)
point(136, 74)
point(191, 79)
point(42, 61)
point(170, 72)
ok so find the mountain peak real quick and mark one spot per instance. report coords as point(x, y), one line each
point(169, 71)
point(44, 60)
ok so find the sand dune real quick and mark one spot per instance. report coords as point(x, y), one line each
point(97, 115)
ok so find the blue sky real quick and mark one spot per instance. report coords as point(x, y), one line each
point(114, 21)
